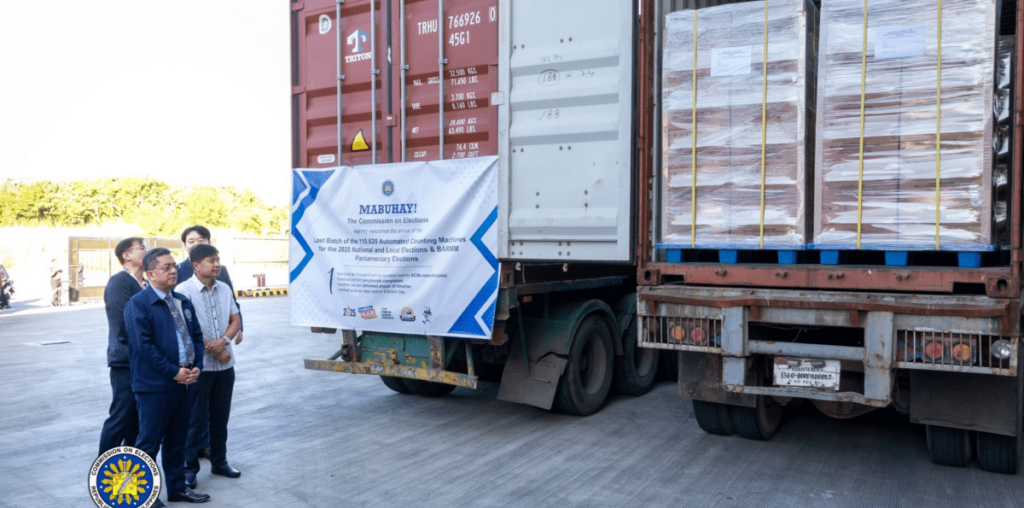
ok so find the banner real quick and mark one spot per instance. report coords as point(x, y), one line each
point(401, 248)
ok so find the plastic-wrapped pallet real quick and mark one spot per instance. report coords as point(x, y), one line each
point(897, 197)
point(753, 128)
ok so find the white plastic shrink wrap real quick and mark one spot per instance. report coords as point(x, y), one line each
point(738, 206)
point(897, 186)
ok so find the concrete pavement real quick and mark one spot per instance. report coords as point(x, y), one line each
point(318, 439)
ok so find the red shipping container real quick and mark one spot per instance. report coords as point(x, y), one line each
point(376, 48)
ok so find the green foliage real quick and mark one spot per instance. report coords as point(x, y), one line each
point(156, 207)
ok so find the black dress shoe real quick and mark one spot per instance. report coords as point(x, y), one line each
point(190, 480)
point(158, 504)
point(226, 470)
point(188, 496)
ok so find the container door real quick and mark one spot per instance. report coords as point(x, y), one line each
point(357, 44)
point(568, 174)
point(449, 54)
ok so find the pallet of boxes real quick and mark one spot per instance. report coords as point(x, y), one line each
point(904, 146)
point(738, 98)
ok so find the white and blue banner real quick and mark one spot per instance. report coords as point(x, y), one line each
point(400, 248)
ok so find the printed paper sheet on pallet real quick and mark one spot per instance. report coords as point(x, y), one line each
point(730, 91)
point(898, 202)
point(398, 248)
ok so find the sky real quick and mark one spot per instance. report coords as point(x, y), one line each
point(188, 92)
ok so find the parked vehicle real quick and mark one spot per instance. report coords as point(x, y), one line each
point(849, 331)
point(547, 87)
point(7, 288)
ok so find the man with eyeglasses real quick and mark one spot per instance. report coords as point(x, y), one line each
point(122, 425)
point(165, 345)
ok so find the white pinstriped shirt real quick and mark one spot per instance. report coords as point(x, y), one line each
point(214, 307)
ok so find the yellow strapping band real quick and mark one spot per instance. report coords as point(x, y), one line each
point(938, 132)
point(693, 153)
point(764, 114)
point(863, 77)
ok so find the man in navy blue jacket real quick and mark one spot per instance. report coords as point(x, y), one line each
point(165, 349)
point(122, 426)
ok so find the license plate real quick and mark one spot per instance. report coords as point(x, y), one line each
point(808, 373)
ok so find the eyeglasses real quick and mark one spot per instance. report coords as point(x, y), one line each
point(165, 268)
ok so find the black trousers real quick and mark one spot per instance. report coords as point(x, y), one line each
point(211, 407)
point(122, 426)
point(163, 424)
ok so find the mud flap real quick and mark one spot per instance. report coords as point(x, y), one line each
point(535, 387)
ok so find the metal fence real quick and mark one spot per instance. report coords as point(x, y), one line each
point(91, 262)
point(252, 262)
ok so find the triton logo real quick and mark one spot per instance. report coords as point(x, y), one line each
point(357, 39)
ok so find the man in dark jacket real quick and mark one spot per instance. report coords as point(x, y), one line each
point(165, 350)
point(122, 426)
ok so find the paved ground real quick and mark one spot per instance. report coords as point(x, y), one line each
point(306, 438)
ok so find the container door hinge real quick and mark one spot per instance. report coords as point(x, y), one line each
point(296, 90)
point(297, 6)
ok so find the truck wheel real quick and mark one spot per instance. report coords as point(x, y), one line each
point(636, 368)
point(428, 388)
point(997, 453)
point(713, 417)
point(588, 376)
point(759, 422)
point(949, 446)
point(395, 384)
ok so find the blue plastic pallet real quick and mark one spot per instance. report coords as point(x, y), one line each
point(732, 256)
point(902, 256)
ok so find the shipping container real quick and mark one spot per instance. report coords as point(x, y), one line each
point(934, 333)
point(549, 89)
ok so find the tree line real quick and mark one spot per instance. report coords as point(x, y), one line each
point(159, 209)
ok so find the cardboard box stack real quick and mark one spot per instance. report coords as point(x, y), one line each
point(901, 70)
point(728, 130)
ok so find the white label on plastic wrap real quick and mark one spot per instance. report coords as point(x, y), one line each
point(325, 24)
point(325, 159)
point(899, 42)
point(730, 61)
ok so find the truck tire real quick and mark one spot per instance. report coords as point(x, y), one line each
point(396, 384)
point(759, 422)
point(428, 388)
point(713, 417)
point(588, 375)
point(636, 368)
point(997, 453)
point(949, 446)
